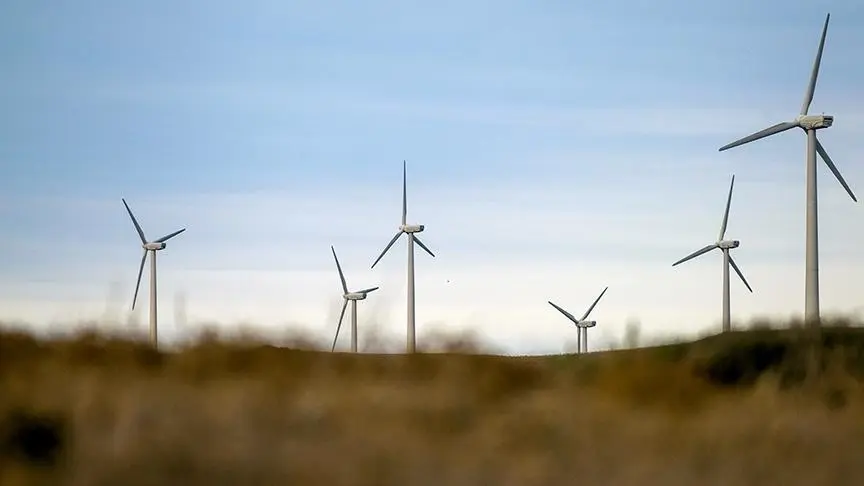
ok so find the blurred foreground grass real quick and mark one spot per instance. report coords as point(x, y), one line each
point(766, 407)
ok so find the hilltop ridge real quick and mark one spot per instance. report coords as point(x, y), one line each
point(94, 410)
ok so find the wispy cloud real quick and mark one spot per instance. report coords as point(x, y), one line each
point(247, 97)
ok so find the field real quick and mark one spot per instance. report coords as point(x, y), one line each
point(766, 407)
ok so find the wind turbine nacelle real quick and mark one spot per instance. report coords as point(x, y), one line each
point(413, 228)
point(355, 296)
point(815, 122)
point(728, 244)
point(586, 323)
point(154, 246)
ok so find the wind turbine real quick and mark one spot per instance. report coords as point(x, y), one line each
point(149, 247)
point(348, 296)
point(410, 230)
point(808, 123)
point(581, 324)
point(725, 246)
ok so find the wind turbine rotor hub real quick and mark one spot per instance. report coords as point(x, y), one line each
point(412, 228)
point(815, 122)
point(154, 246)
point(728, 244)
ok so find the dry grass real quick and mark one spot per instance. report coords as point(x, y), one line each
point(739, 409)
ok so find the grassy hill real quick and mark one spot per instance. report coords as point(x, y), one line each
point(756, 407)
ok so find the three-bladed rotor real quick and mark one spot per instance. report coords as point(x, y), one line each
point(410, 229)
point(721, 243)
point(583, 323)
point(346, 296)
point(805, 121)
point(155, 245)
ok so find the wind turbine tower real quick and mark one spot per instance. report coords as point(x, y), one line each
point(810, 124)
point(411, 230)
point(353, 297)
point(149, 247)
point(725, 246)
point(582, 324)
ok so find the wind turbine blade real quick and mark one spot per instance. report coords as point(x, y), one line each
point(366, 291)
point(738, 271)
point(811, 88)
point(135, 222)
point(566, 314)
point(417, 240)
point(339, 326)
point(772, 130)
point(138, 282)
point(726, 214)
point(696, 254)
point(339, 267)
point(398, 234)
point(404, 193)
point(594, 304)
point(830, 164)
point(169, 236)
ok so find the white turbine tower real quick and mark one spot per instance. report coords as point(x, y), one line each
point(581, 324)
point(725, 246)
point(149, 247)
point(353, 297)
point(410, 230)
point(808, 123)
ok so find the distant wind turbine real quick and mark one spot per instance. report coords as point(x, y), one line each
point(410, 230)
point(808, 123)
point(180, 319)
point(581, 324)
point(725, 246)
point(149, 247)
point(348, 296)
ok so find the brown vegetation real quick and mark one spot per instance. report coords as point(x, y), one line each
point(756, 407)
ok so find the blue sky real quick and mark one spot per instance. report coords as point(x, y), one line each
point(553, 148)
